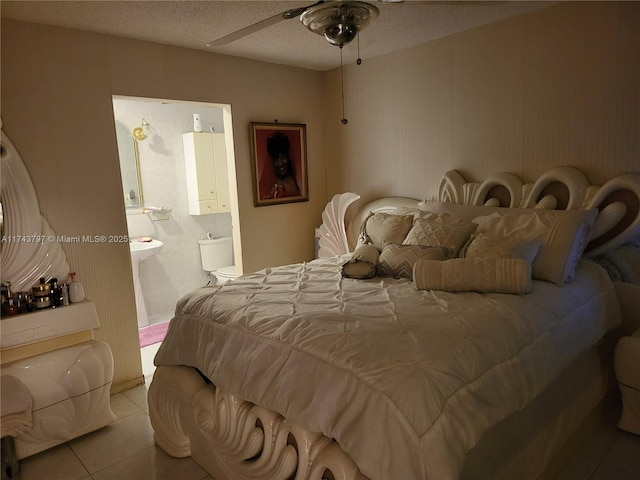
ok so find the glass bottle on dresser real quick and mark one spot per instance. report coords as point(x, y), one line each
point(76, 290)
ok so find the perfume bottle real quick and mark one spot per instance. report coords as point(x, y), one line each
point(56, 293)
point(76, 290)
point(65, 294)
point(8, 306)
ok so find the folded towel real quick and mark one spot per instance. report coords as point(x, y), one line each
point(503, 275)
point(15, 406)
point(16, 423)
point(14, 395)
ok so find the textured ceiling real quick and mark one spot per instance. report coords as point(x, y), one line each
point(195, 23)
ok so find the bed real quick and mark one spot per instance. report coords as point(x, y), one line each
point(463, 337)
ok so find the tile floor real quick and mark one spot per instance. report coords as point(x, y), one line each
point(122, 451)
point(608, 454)
point(125, 450)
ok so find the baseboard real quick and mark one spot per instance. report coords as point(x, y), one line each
point(126, 384)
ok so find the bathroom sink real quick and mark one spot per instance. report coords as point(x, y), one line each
point(142, 250)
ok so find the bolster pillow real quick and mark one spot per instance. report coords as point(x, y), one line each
point(512, 275)
point(363, 262)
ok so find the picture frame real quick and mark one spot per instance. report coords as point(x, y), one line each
point(279, 163)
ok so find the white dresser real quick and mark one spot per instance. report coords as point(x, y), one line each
point(68, 374)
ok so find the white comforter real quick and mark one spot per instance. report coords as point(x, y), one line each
point(405, 380)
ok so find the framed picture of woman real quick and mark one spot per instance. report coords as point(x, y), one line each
point(279, 162)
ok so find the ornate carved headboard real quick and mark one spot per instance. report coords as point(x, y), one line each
point(562, 188)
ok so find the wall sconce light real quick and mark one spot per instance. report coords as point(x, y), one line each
point(139, 132)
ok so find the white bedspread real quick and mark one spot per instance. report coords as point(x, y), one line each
point(405, 380)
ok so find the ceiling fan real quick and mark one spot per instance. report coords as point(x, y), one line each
point(339, 21)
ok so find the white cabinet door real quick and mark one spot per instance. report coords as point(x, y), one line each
point(205, 158)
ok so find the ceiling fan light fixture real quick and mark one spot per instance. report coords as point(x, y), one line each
point(339, 22)
point(340, 33)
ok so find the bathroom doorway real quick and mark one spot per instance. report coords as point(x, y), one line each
point(154, 181)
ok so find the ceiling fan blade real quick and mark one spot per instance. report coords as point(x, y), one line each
point(243, 32)
point(477, 3)
point(267, 22)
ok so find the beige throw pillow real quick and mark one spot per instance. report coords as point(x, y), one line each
point(381, 228)
point(435, 232)
point(397, 260)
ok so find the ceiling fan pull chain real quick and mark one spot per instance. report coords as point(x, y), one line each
point(344, 121)
point(359, 61)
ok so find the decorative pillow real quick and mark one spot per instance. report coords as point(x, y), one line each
point(471, 212)
point(380, 228)
point(627, 260)
point(485, 245)
point(436, 232)
point(443, 217)
point(397, 260)
point(564, 235)
point(502, 275)
point(465, 212)
point(611, 268)
point(363, 262)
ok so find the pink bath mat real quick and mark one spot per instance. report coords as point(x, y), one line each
point(153, 334)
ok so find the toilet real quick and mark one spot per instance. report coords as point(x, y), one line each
point(217, 258)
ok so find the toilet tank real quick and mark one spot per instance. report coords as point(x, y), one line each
point(216, 253)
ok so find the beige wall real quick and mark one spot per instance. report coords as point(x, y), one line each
point(559, 86)
point(57, 86)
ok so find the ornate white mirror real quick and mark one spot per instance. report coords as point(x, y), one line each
point(29, 248)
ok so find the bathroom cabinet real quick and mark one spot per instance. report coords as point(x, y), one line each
point(205, 158)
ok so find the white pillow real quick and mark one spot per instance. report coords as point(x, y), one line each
point(465, 212)
point(468, 212)
point(564, 235)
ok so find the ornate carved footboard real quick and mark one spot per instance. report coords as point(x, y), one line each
point(234, 439)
